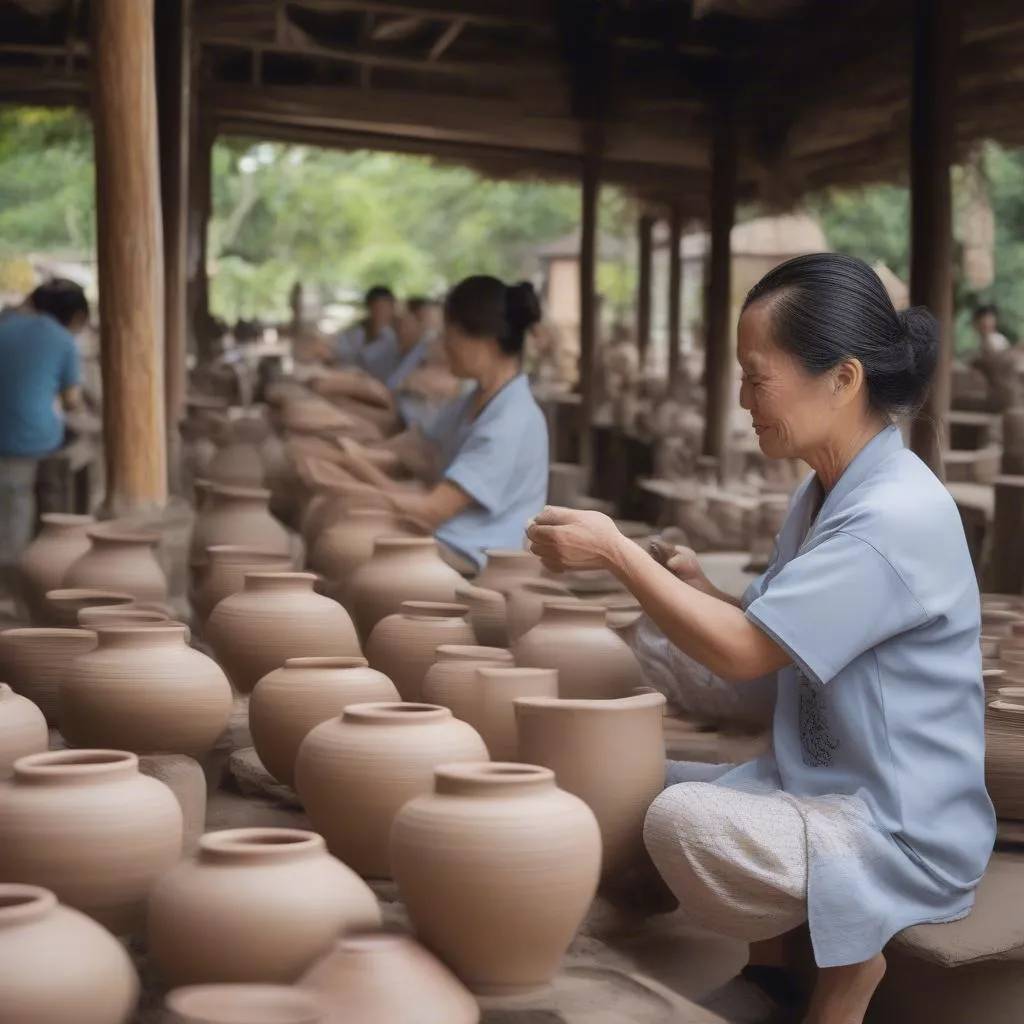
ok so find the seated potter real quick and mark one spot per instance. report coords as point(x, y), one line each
point(370, 344)
point(870, 813)
point(485, 458)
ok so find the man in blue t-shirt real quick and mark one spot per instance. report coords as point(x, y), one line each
point(39, 381)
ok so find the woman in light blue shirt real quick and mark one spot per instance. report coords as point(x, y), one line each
point(870, 814)
point(485, 457)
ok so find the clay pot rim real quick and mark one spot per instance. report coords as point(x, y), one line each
point(110, 614)
point(123, 535)
point(21, 903)
point(221, 1003)
point(260, 843)
point(472, 653)
point(493, 671)
point(340, 662)
point(600, 706)
point(432, 610)
point(157, 628)
point(394, 712)
point(265, 576)
point(245, 552)
point(469, 777)
point(234, 491)
point(1002, 615)
point(68, 519)
point(367, 941)
point(46, 632)
point(69, 594)
point(65, 765)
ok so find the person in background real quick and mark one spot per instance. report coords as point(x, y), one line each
point(986, 325)
point(39, 377)
point(371, 344)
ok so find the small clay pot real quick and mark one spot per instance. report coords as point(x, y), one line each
point(1004, 734)
point(23, 729)
point(65, 605)
point(505, 566)
point(243, 1004)
point(223, 573)
point(525, 601)
point(35, 662)
point(451, 681)
point(120, 559)
point(237, 516)
point(59, 544)
point(492, 712)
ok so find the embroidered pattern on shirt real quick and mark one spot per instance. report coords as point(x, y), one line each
point(817, 743)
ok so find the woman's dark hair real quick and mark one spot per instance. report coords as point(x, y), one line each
point(826, 307)
point(987, 309)
point(416, 304)
point(61, 299)
point(378, 291)
point(485, 307)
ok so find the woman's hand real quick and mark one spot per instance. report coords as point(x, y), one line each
point(567, 539)
point(684, 564)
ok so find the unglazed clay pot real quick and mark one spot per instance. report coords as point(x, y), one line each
point(277, 616)
point(60, 543)
point(401, 569)
point(492, 713)
point(487, 614)
point(508, 566)
point(592, 662)
point(388, 979)
point(290, 701)
point(223, 574)
point(59, 967)
point(237, 463)
point(145, 690)
point(353, 773)
point(120, 559)
point(34, 662)
point(254, 905)
point(87, 825)
point(403, 646)
point(244, 1004)
point(90, 618)
point(525, 601)
point(451, 680)
point(497, 868)
point(1004, 733)
point(238, 516)
point(609, 753)
point(63, 607)
point(999, 621)
point(23, 729)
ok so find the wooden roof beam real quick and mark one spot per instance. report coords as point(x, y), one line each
point(531, 14)
point(445, 39)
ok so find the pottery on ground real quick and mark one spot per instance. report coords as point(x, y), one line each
point(1004, 736)
point(492, 713)
point(592, 662)
point(999, 622)
point(388, 979)
point(120, 559)
point(223, 573)
point(505, 566)
point(451, 680)
point(63, 607)
point(254, 905)
point(353, 773)
point(34, 662)
point(145, 690)
point(243, 1004)
point(59, 967)
point(295, 698)
point(277, 616)
point(87, 825)
point(403, 646)
point(23, 729)
point(497, 868)
point(61, 542)
point(525, 601)
point(400, 569)
point(237, 516)
point(609, 753)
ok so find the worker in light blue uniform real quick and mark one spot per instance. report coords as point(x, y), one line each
point(870, 813)
point(371, 344)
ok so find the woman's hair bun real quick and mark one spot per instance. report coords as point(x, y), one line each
point(522, 306)
point(923, 338)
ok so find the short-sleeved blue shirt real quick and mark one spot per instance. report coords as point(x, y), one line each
point(379, 358)
point(500, 459)
point(38, 360)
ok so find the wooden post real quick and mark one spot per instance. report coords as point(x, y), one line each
point(129, 256)
point(200, 209)
point(590, 193)
point(932, 147)
point(645, 274)
point(675, 293)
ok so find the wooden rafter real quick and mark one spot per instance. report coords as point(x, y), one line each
point(445, 39)
point(533, 14)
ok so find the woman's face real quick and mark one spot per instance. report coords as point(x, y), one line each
point(467, 356)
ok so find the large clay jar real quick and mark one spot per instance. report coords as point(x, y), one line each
point(1004, 735)
point(401, 569)
point(592, 662)
point(87, 825)
point(497, 868)
point(508, 566)
point(492, 713)
point(224, 573)
point(244, 1004)
point(59, 967)
point(486, 614)
point(403, 646)
point(238, 515)
point(35, 662)
point(292, 700)
point(145, 690)
point(60, 543)
point(254, 905)
point(63, 607)
point(120, 559)
point(23, 729)
point(451, 680)
point(388, 979)
point(609, 753)
point(525, 601)
point(277, 616)
point(353, 773)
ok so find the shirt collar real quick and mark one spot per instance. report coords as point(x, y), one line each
point(886, 442)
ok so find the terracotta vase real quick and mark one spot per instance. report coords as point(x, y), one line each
point(497, 868)
point(145, 690)
point(60, 543)
point(23, 729)
point(492, 712)
point(87, 825)
point(277, 616)
point(35, 662)
point(238, 516)
point(525, 601)
point(1004, 737)
point(403, 646)
point(353, 773)
point(388, 979)
point(507, 566)
point(292, 700)
point(90, 618)
point(120, 559)
point(223, 573)
point(254, 905)
point(609, 753)
point(59, 967)
point(64, 606)
point(451, 680)
point(486, 614)
point(401, 569)
point(236, 463)
point(243, 1004)
point(592, 662)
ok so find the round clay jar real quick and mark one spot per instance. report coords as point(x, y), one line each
point(525, 601)
point(497, 868)
point(65, 606)
point(492, 713)
point(254, 905)
point(35, 662)
point(89, 826)
point(120, 559)
point(244, 1004)
point(23, 729)
point(59, 967)
point(237, 515)
point(223, 573)
point(353, 773)
point(451, 680)
point(59, 544)
point(505, 566)
point(487, 614)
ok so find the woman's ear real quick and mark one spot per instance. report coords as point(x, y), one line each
point(847, 381)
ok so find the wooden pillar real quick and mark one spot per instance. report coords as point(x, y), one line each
point(200, 209)
point(129, 255)
point(932, 150)
point(645, 275)
point(675, 293)
point(590, 193)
